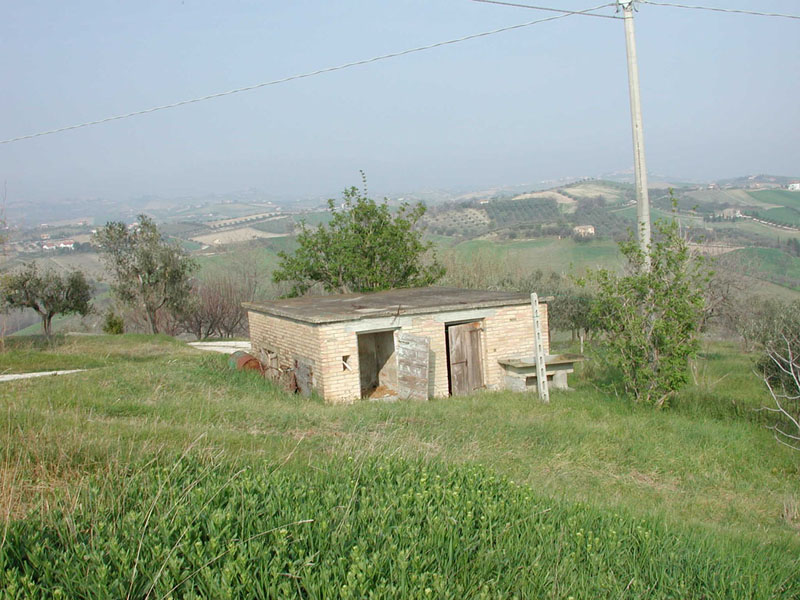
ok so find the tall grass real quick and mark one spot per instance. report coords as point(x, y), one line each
point(704, 477)
point(377, 528)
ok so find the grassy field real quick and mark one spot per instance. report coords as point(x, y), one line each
point(778, 197)
point(491, 495)
point(783, 215)
point(774, 233)
point(771, 264)
point(547, 254)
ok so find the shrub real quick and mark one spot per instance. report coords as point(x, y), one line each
point(113, 324)
point(651, 317)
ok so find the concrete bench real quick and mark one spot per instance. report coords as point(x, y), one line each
point(520, 372)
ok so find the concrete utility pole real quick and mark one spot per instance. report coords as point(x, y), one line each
point(639, 166)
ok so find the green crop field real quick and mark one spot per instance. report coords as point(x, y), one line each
point(771, 264)
point(779, 197)
point(783, 215)
point(547, 254)
point(159, 472)
point(774, 233)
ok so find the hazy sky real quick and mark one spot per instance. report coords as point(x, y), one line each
point(721, 95)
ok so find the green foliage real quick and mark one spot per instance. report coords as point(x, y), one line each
point(149, 272)
point(381, 528)
point(531, 210)
point(651, 318)
point(46, 292)
point(113, 323)
point(364, 248)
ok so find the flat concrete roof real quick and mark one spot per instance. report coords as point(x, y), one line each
point(352, 307)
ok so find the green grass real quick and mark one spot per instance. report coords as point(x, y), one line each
point(548, 254)
point(314, 218)
point(264, 253)
point(779, 197)
point(773, 264)
point(782, 215)
point(718, 496)
point(372, 528)
point(757, 228)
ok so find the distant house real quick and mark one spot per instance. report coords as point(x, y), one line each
point(729, 213)
point(67, 244)
point(49, 246)
point(794, 186)
point(583, 230)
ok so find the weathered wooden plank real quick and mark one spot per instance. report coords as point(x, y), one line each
point(474, 357)
point(304, 376)
point(413, 352)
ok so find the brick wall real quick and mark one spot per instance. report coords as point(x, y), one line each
point(339, 384)
point(290, 340)
point(510, 333)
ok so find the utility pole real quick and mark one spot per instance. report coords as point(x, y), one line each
point(639, 166)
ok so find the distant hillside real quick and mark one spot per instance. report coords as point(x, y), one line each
point(751, 181)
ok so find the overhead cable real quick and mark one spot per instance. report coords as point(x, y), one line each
point(301, 75)
point(582, 13)
point(722, 10)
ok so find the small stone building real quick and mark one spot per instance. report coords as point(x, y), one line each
point(408, 343)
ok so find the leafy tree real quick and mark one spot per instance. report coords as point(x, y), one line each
point(149, 272)
point(364, 248)
point(651, 318)
point(47, 292)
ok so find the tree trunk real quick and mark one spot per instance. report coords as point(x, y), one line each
point(47, 320)
point(151, 318)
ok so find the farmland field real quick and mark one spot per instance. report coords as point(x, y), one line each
point(547, 254)
point(778, 266)
point(234, 236)
point(734, 197)
point(783, 215)
point(161, 471)
point(778, 198)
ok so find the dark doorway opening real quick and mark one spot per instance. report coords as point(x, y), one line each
point(377, 364)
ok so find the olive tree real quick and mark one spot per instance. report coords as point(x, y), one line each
point(148, 272)
point(364, 248)
point(47, 292)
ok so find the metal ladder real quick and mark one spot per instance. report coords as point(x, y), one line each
point(541, 368)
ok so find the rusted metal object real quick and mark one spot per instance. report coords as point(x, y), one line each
point(244, 361)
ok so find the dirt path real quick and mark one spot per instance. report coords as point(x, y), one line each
point(15, 376)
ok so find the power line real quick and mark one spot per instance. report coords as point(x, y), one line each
point(300, 76)
point(546, 8)
point(722, 10)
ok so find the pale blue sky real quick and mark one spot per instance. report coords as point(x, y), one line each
point(720, 95)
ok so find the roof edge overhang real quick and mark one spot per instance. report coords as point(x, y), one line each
point(276, 311)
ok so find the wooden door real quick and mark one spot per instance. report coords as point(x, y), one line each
point(464, 357)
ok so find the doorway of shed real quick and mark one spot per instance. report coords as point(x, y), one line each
point(377, 364)
point(464, 357)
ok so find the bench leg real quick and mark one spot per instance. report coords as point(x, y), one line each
point(560, 380)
